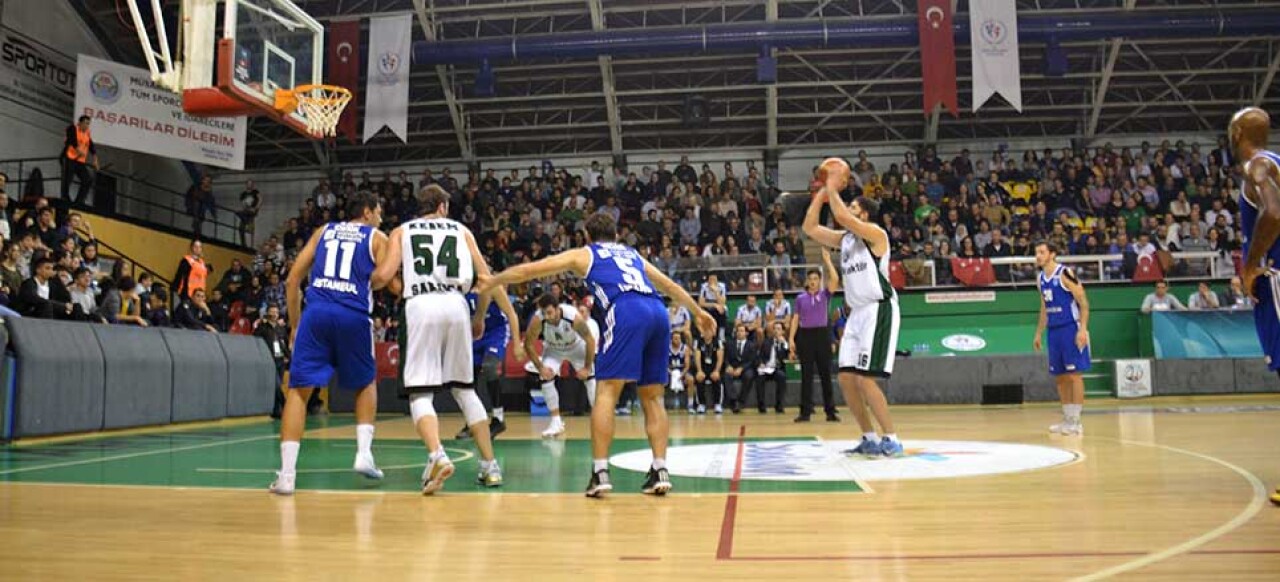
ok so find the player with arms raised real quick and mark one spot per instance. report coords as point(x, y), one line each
point(1260, 221)
point(635, 338)
point(870, 339)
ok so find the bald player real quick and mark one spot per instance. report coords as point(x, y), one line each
point(1260, 221)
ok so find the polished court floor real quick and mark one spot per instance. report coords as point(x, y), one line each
point(1156, 489)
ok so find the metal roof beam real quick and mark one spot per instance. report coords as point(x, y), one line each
point(606, 82)
point(451, 99)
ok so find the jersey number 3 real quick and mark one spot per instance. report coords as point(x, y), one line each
point(1048, 295)
point(426, 257)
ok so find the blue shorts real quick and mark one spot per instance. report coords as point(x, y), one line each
point(635, 341)
point(333, 337)
point(489, 346)
point(1064, 356)
point(1266, 319)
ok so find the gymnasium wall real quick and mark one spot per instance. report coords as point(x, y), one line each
point(159, 252)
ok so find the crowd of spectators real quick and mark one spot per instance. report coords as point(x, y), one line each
point(692, 219)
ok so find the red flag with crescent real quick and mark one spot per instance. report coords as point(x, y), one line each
point(343, 63)
point(938, 56)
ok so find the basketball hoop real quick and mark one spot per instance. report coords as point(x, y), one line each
point(321, 106)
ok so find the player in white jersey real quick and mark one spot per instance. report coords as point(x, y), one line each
point(777, 310)
point(568, 335)
point(869, 343)
point(750, 316)
point(439, 260)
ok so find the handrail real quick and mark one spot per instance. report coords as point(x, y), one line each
point(224, 228)
point(694, 269)
point(118, 253)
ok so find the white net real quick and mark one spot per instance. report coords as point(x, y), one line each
point(322, 106)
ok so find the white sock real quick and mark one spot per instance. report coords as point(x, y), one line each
point(439, 455)
point(1072, 411)
point(893, 437)
point(364, 439)
point(599, 465)
point(871, 436)
point(289, 457)
point(488, 465)
point(497, 413)
point(659, 463)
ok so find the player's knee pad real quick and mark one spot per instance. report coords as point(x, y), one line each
point(422, 405)
point(551, 395)
point(469, 402)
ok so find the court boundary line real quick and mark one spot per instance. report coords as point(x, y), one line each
point(110, 458)
point(1256, 502)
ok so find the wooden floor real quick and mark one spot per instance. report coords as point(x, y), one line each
point(1157, 489)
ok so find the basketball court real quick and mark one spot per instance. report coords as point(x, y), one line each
point(1171, 488)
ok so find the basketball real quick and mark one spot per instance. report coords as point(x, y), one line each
point(837, 165)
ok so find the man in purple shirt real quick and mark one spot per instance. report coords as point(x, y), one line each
point(811, 339)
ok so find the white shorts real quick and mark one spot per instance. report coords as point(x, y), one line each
point(870, 339)
point(437, 351)
point(576, 356)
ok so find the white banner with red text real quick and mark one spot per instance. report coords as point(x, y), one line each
point(130, 112)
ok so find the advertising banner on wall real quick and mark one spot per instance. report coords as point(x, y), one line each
point(130, 112)
point(36, 76)
point(1205, 334)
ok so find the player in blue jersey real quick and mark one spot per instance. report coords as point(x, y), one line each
point(497, 317)
point(1260, 221)
point(335, 333)
point(1064, 310)
point(635, 338)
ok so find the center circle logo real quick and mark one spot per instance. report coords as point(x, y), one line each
point(825, 461)
point(963, 342)
point(104, 87)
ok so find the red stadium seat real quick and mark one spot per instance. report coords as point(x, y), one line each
point(973, 272)
point(242, 326)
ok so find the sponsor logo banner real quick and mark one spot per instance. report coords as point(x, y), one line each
point(131, 112)
point(36, 76)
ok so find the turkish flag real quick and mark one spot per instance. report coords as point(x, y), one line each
point(343, 58)
point(938, 56)
point(973, 272)
point(387, 355)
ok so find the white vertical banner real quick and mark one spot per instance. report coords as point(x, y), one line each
point(386, 97)
point(993, 38)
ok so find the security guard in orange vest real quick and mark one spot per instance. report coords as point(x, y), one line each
point(75, 157)
point(192, 274)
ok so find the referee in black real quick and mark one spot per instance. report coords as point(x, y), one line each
point(811, 339)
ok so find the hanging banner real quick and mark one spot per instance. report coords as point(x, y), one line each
point(343, 62)
point(387, 87)
point(938, 56)
point(993, 38)
point(130, 112)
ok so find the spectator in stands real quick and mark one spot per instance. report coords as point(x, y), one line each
point(250, 205)
point(200, 204)
point(219, 310)
point(1203, 299)
point(10, 276)
point(1235, 297)
point(1161, 300)
point(121, 304)
point(194, 313)
point(193, 272)
point(83, 295)
point(254, 297)
point(234, 281)
point(77, 149)
point(6, 220)
point(157, 308)
point(43, 295)
point(46, 229)
point(712, 298)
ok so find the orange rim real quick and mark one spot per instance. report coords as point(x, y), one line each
point(286, 100)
